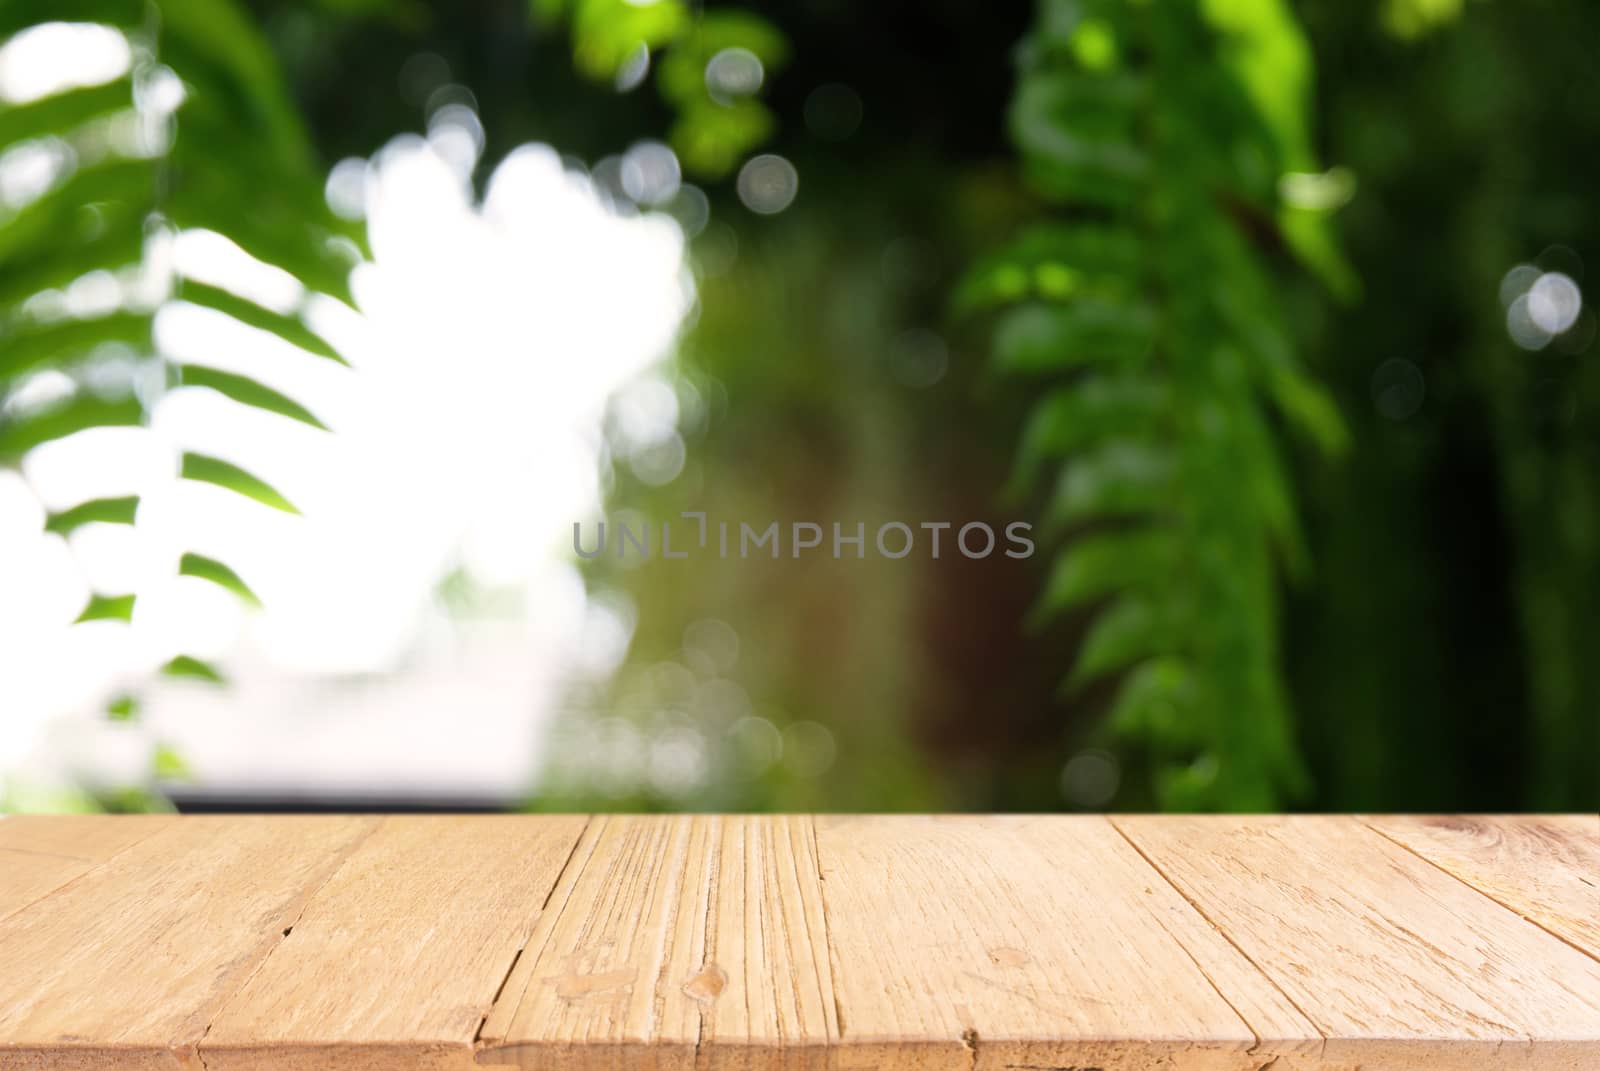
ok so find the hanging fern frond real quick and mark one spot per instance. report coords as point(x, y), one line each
point(1147, 315)
point(197, 131)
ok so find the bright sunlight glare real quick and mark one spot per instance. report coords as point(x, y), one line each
point(465, 438)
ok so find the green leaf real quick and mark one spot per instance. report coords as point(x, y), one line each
point(116, 242)
point(1158, 700)
point(168, 765)
point(124, 707)
point(1103, 563)
point(288, 328)
point(711, 139)
point(279, 230)
point(108, 608)
point(1262, 44)
point(94, 511)
point(1099, 259)
point(606, 32)
point(57, 218)
point(246, 391)
point(186, 667)
point(1116, 480)
point(215, 47)
point(198, 565)
point(18, 435)
point(133, 799)
point(1264, 47)
point(1038, 338)
point(64, 341)
point(1309, 236)
point(1077, 135)
point(1090, 411)
point(1311, 410)
point(1130, 630)
point(682, 72)
point(18, 15)
point(62, 112)
point(212, 470)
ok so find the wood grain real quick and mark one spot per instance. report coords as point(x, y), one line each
point(677, 939)
point(1397, 963)
point(40, 854)
point(1033, 942)
point(737, 943)
point(126, 966)
point(423, 922)
point(1545, 868)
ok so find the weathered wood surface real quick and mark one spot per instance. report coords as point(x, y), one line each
point(1019, 943)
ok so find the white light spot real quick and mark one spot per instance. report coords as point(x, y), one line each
point(212, 258)
point(346, 190)
point(647, 411)
point(159, 91)
point(677, 762)
point(1516, 282)
point(1554, 302)
point(768, 184)
point(56, 56)
point(31, 169)
point(659, 463)
point(455, 133)
point(1523, 328)
point(734, 72)
point(37, 393)
point(92, 295)
point(632, 72)
point(650, 173)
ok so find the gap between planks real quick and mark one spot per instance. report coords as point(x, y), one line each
point(1529, 917)
point(1322, 1048)
point(511, 968)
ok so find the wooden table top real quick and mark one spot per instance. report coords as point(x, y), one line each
point(1059, 943)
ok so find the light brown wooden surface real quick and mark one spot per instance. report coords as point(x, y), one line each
point(675, 936)
point(1038, 943)
point(421, 923)
point(1395, 962)
point(40, 855)
point(1545, 869)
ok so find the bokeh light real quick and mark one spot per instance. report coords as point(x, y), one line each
point(768, 184)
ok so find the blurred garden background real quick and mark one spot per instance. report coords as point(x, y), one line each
point(322, 323)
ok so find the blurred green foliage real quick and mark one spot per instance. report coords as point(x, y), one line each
point(1150, 329)
point(1125, 255)
point(716, 125)
point(200, 132)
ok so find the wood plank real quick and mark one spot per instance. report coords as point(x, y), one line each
point(847, 943)
point(127, 965)
point(1546, 868)
point(419, 928)
point(40, 854)
point(91, 837)
point(1398, 964)
point(1009, 942)
point(672, 939)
